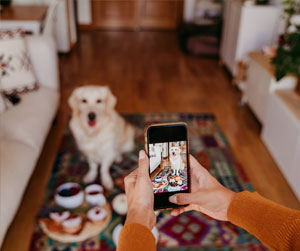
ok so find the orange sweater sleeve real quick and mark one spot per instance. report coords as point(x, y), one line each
point(276, 226)
point(136, 237)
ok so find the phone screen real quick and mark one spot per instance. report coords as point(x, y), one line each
point(168, 161)
point(168, 166)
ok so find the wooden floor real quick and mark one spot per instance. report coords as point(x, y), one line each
point(147, 72)
point(163, 163)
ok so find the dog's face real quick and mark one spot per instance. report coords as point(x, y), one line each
point(175, 151)
point(92, 104)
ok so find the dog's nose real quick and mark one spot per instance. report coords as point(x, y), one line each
point(92, 116)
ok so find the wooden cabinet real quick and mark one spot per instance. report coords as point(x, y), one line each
point(295, 170)
point(277, 107)
point(135, 14)
point(257, 88)
point(115, 14)
point(161, 14)
point(281, 134)
point(260, 82)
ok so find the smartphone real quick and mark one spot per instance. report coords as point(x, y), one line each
point(167, 146)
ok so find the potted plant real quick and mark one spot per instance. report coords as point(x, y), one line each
point(287, 58)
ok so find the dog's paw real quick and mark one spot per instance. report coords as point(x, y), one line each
point(89, 177)
point(108, 183)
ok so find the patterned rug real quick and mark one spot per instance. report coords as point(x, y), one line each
point(189, 231)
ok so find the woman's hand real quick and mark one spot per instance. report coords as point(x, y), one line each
point(207, 194)
point(139, 194)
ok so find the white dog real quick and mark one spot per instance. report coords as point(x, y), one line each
point(177, 164)
point(100, 132)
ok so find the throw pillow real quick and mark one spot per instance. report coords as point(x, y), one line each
point(16, 71)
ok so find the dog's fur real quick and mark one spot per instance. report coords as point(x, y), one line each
point(106, 137)
point(177, 164)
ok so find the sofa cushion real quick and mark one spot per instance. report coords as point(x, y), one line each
point(16, 71)
point(17, 161)
point(42, 52)
point(30, 120)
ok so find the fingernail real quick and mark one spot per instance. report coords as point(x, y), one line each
point(173, 199)
point(142, 154)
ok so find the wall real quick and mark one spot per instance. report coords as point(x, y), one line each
point(275, 2)
point(281, 26)
point(188, 12)
point(84, 12)
point(31, 2)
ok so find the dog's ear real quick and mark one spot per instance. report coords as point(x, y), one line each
point(72, 100)
point(111, 99)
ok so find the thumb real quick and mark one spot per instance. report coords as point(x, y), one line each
point(184, 198)
point(143, 164)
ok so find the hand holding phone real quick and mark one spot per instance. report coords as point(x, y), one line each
point(207, 194)
point(168, 150)
point(139, 194)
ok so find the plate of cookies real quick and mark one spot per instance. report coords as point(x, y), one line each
point(77, 218)
point(175, 183)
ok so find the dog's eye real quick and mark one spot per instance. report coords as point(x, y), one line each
point(83, 100)
point(99, 101)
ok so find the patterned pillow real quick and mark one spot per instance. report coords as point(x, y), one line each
point(16, 72)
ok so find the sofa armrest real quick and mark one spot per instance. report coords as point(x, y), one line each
point(43, 55)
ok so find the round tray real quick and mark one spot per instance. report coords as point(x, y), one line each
point(89, 230)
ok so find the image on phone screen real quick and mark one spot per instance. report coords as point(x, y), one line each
point(168, 166)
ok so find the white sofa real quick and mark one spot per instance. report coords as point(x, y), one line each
point(24, 128)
